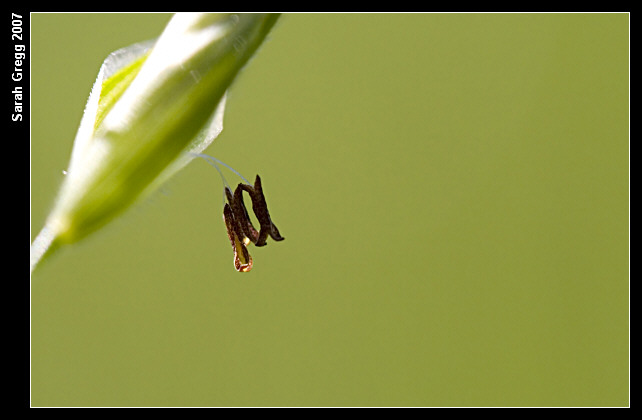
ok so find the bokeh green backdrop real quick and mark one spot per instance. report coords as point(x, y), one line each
point(453, 189)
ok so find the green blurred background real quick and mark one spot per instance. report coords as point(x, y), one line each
point(453, 189)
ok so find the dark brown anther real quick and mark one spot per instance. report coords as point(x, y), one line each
point(242, 258)
point(240, 229)
point(259, 206)
point(241, 215)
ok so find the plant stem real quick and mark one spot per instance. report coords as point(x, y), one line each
point(43, 246)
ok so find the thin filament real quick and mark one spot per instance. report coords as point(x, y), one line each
point(213, 161)
point(215, 166)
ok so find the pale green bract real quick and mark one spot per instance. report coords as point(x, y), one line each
point(153, 107)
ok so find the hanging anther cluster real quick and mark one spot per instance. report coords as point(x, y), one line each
point(240, 229)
